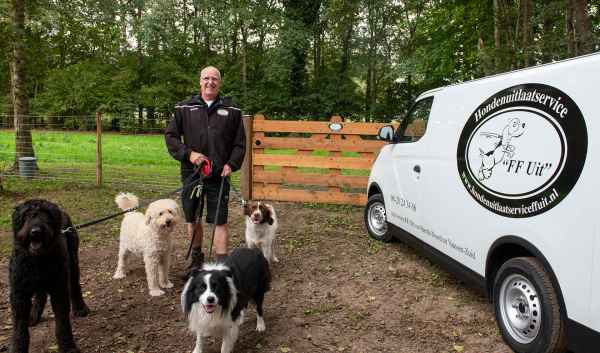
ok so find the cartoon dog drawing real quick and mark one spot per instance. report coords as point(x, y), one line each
point(494, 147)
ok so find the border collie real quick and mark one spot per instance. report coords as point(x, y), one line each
point(261, 228)
point(214, 298)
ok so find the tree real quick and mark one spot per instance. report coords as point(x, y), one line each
point(300, 17)
point(23, 142)
point(504, 34)
point(359, 58)
point(526, 30)
point(582, 27)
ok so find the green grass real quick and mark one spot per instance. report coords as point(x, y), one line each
point(57, 146)
point(71, 156)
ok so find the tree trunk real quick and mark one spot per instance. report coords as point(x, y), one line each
point(140, 58)
point(23, 142)
point(185, 21)
point(583, 33)
point(244, 31)
point(497, 40)
point(504, 36)
point(370, 92)
point(206, 53)
point(570, 27)
point(234, 41)
point(546, 37)
point(526, 6)
point(345, 62)
point(317, 57)
point(300, 15)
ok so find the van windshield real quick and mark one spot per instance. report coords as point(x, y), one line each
point(413, 127)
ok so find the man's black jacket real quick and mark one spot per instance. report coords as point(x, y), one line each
point(216, 131)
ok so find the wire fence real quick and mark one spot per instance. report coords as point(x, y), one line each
point(129, 123)
point(129, 152)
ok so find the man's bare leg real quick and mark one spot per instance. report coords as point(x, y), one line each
point(221, 242)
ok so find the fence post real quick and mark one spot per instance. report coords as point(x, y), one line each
point(335, 153)
point(246, 177)
point(98, 148)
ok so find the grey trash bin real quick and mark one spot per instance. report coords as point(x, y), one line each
point(27, 167)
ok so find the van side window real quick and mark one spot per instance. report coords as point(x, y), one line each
point(414, 125)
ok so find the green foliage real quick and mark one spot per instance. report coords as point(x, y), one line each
point(85, 87)
point(365, 59)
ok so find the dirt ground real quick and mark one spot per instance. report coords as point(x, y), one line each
point(334, 290)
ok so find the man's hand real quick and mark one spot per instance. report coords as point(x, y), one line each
point(197, 158)
point(226, 170)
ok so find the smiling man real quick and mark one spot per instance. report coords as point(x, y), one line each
point(205, 128)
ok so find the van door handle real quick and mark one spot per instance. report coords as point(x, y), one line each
point(417, 169)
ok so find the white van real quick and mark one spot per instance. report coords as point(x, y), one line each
point(499, 179)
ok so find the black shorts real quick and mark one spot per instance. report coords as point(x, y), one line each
point(191, 198)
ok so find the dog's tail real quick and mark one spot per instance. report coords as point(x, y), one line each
point(126, 201)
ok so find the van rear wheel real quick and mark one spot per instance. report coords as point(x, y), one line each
point(527, 308)
point(375, 219)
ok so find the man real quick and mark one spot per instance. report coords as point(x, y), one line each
point(207, 128)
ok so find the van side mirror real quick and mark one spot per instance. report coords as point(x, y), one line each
point(386, 133)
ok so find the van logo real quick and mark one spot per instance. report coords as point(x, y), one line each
point(522, 150)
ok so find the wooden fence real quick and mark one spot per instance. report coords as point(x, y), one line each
point(329, 161)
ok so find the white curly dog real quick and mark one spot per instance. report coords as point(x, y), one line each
point(148, 235)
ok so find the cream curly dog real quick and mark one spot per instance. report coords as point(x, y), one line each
point(148, 235)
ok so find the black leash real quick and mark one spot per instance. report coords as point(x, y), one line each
point(212, 238)
point(189, 182)
point(214, 221)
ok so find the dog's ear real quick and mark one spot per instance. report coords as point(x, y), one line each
point(56, 215)
point(267, 212)
point(247, 209)
point(229, 272)
point(186, 299)
point(18, 217)
point(190, 295)
point(148, 218)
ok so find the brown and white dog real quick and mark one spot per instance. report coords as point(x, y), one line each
point(261, 228)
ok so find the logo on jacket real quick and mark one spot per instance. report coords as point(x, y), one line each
point(522, 150)
point(223, 112)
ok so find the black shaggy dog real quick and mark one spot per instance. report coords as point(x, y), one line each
point(44, 262)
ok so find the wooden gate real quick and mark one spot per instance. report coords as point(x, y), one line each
point(309, 161)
